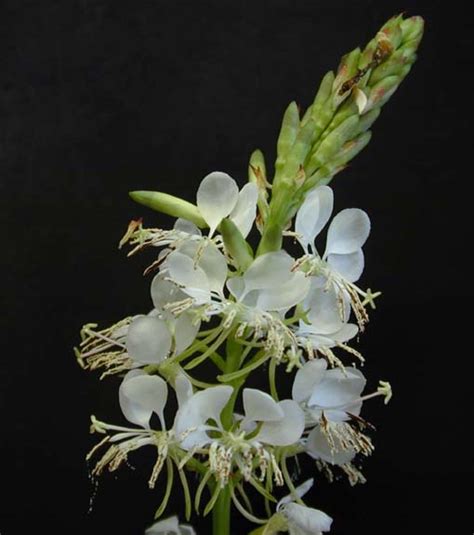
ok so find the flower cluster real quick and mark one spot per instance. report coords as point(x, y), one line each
point(218, 303)
point(279, 309)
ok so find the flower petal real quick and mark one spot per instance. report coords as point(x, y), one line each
point(142, 395)
point(307, 378)
point(286, 431)
point(306, 520)
point(185, 331)
point(164, 292)
point(313, 215)
point(183, 225)
point(286, 295)
point(268, 270)
point(208, 257)
point(236, 287)
point(345, 333)
point(260, 406)
point(183, 388)
point(168, 526)
point(318, 447)
point(243, 215)
point(324, 310)
point(148, 340)
point(339, 390)
point(347, 232)
point(350, 266)
point(191, 278)
point(216, 198)
point(185, 529)
point(200, 407)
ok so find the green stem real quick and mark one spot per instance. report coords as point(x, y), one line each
point(221, 513)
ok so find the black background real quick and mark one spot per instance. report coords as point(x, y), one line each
point(98, 98)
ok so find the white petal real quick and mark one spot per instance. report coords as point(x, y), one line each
point(185, 330)
point(148, 340)
point(346, 333)
point(286, 295)
point(301, 490)
point(236, 287)
point(141, 396)
point(350, 266)
point(164, 292)
point(210, 260)
point(260, 406)
point(286, 431)
point(191, 278)
point(318, 447)
point(243, 215)
point(307, 520)
point(324, 310)
point(183, 388)
point(268, 271)
point(185, 529)
point(168, 526)
point(314, 214)
point(183, 225)
point(338, 390)
point(347, 232)
point(216, 198)
point(307, 378)
point(199, 408)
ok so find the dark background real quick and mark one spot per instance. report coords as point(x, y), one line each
point(100, 97)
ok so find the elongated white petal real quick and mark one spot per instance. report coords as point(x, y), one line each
point(141, 396)
point(164, 292)
point(347, 232)
point(260, 406)
point(190, 277)
point(286, 431)
point(314, 214)
point(324, 310)
point(200, 407)
point(350, 266)
point(338, 389)
point(185, 529)
point(318, 447)
point(185, 331)
point(216, 198)
point(268, 271)
point(243, 215)
point(183, 388)
point(301, 490)
point(208, 257)
point(307, 378)
point(304, 520)
point(286, 295)
point(168, 526)
point(183, 225)
point(148, 340)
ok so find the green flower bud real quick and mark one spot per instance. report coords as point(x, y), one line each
point(412, 30)
point(391, 31)
point(299, 151)
point(258, 175)
point(168, 204)
point(235, 244)
point(289, 130)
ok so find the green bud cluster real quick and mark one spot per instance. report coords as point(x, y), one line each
point(336, 127)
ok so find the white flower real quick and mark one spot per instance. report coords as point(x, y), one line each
point(266, 422)
point(302, 520)
point(218, 197)
point(140, 396)
point(336, 453)
point(333, 393)
point(328, 313)
point(170, 526)
point(342, 263)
